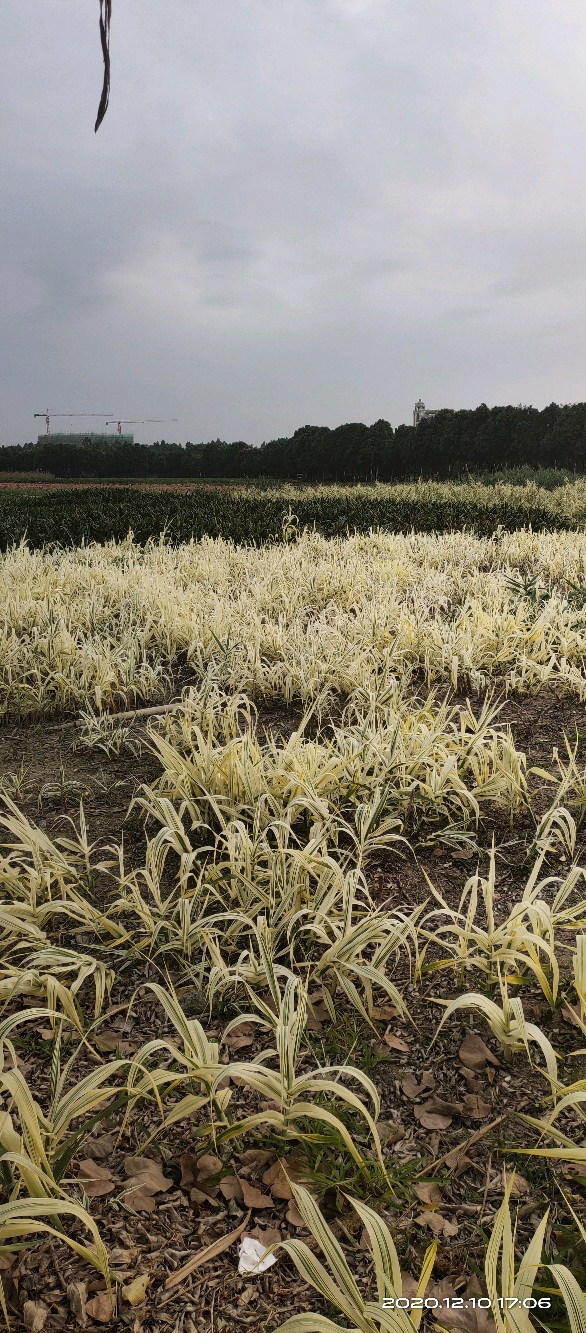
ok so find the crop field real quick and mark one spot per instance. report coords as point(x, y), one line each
point(51, 484)
point(25, 478)
point(248, 513)
point(293, 911)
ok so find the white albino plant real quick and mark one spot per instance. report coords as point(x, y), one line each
point(509, 1286)
point(102, 626)
point(525, 938)
point(292, 1096)
point(509, 1026)
point(339, 1286)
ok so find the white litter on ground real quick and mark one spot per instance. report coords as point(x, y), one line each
point(253, 1257)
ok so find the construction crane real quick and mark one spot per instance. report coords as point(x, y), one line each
point(47, 415)
point(159, 420)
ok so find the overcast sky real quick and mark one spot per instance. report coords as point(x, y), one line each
point(295, 211)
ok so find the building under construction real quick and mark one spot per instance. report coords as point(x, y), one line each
point(85, 439)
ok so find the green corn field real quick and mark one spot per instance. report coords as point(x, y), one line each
point(98, 513)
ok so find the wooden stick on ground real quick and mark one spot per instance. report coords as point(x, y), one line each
point(209, 1252)
point(137, 712)
point(460, 1147)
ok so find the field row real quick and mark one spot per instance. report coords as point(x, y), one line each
point(104, 627)
point(97, 513)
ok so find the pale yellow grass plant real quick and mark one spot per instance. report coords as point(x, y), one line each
point(102, 626)
point(509, 1283)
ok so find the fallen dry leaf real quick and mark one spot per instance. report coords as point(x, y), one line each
point(475, 1107)
point(34, 1315)
point(437, 1113)
point(254, 1198)
point(208, 1165)
point(471, 1320)
point(77, 1297)
point(255, 1158)
point(317, 1014)
point(440, 1226)
point(571, 1013)
point(96, 1180)
point(384, 1012)
point(108, 1040)
point(364, 1242)
point(429, 1192)
point(445, 1291)
point(473, 1083)
point(188, 1164)
point(101, 1307)
point(432, 1120)
point(413, 1089)
point(279, 1185)
point(146, 1179)
point(140, 1201)
point(519, 1185)
point(395, 1043)
point(231, 1188)
point(389, 1134)
point(433, 1220)
point(444, 1107)
point(457, 1161)
point(135, 1292)
point(198, 1171)
point(17, 1063)
point(293, 1215)
point(474, 1053)
point(101, 1147)
point(148, 1170)
point(198, 1196)
point(242, 1035)
point(455, 1154)
point(409, 1285)
point(266, 1235)
point(208, 1187)
point(120, 1257)
point(462, 1165)
point(298, 1169)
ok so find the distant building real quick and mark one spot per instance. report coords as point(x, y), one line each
point(420, 411)
point(81, 440)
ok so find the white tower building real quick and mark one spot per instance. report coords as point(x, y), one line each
point(420, 411)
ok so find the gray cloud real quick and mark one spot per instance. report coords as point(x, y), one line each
point(309, 211)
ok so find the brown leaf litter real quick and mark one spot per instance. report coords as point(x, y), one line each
point(475, 1054)
point(145, 1180)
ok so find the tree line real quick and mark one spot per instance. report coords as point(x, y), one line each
point(449, 444)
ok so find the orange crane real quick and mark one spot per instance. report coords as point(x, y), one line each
point(47, 415)
point(160, 420)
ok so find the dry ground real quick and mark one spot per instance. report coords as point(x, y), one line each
point(50, 773)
